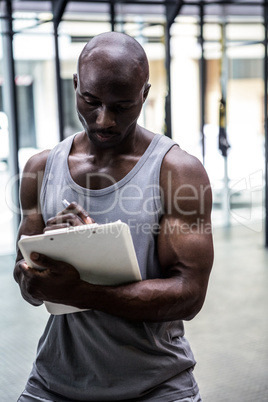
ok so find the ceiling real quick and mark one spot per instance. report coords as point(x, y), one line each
point(220, 8)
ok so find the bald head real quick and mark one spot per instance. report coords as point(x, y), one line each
point(116, 52)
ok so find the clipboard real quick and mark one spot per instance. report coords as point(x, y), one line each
point(103, 254)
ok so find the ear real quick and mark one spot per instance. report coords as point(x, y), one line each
point(146, 91)
point(75, 81)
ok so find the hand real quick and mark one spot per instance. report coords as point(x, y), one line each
point(73, 215)
point(22, 282)
point(54, 282)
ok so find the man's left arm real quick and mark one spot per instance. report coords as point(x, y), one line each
point(185, 244)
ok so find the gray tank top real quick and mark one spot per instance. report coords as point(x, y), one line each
point(94, 356)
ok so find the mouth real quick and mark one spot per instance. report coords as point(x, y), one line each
point(103, 137)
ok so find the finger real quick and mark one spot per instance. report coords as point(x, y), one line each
point(28, 271)
point(65, 221)
point(41, 260)
point(57, 226)
point(62, 219)
point(79, 211)
point(48, 263)
point(23, 266)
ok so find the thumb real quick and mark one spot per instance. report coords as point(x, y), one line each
point(44, 262)
point(41, 260)
point(81, 212)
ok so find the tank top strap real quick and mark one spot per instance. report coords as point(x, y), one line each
point(58, 154)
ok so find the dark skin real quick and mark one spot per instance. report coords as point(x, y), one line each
point(112, 142)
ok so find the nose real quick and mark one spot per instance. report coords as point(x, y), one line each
point(106, 117)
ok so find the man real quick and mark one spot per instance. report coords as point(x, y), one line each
point(129, 345)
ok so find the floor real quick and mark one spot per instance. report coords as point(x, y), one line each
point(229, 337)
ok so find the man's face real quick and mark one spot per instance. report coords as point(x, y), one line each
point(108, 103)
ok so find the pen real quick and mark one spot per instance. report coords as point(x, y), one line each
point(86, 219)
point(65, 203)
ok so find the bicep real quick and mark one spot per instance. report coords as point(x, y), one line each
point(32, 220)
point(187, 258)
point(185, 246)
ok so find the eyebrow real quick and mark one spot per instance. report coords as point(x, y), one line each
point(86, 93)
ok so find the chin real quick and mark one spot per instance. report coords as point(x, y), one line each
point(105, 142)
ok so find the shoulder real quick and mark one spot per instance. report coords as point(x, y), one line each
point(184, 167)
point(31, 179)
point(37, 162)
point(185, 183)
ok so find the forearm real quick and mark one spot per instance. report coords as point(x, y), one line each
point(150, 300)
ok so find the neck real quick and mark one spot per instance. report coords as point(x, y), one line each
point(131, 145)
point(116, 162)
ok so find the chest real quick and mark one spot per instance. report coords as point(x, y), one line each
point(93, 175)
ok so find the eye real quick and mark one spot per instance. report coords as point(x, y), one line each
point(121, 108)
point(92, 103)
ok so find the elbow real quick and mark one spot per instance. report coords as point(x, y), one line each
point(195, 298)
point(192, 313)
point(195, 306)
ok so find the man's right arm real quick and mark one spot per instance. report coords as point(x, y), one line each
point(32, 220)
